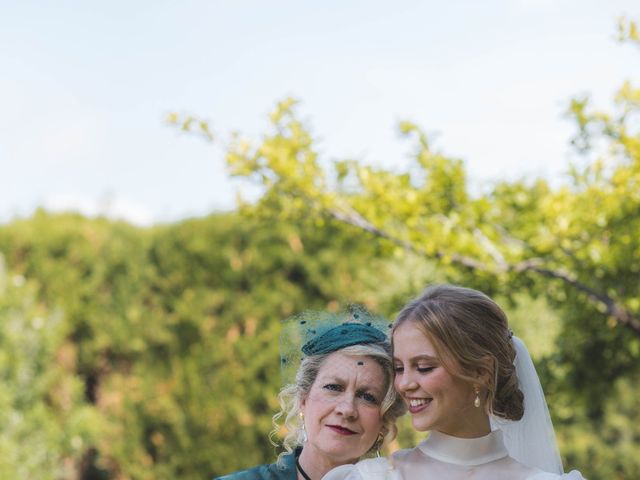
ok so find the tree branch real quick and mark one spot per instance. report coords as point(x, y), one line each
point(354, 219)
point(612, 308)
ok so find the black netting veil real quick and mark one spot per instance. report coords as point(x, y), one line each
point(314, 332)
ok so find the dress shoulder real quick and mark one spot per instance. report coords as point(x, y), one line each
point(255, 473)
point(572, 475)
point(263, 472)
point(285, 469)
point(371, 468)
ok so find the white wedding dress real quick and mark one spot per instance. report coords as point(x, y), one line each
point(442, 457)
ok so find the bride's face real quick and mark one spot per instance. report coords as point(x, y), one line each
point(436, 399)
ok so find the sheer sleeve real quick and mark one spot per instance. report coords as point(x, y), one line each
point(573, 475)
point(373, 468)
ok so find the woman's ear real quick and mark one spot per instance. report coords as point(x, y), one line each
point(483, 379)
point(484, 372)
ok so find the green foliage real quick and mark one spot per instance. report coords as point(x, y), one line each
point(45, 423)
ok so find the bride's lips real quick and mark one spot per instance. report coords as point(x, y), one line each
point(416, 405)
point(341, 430)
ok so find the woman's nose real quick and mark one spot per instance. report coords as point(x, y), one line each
point(347, 406)
point(403, 382)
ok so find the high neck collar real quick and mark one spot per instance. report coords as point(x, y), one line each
point(464, 451)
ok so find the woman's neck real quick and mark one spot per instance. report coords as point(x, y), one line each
point(316, 465)
point(474, 426)
point(464, 451)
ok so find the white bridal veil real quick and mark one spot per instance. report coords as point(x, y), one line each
point(531, 440)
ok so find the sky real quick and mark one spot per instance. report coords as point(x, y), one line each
point(85, 88)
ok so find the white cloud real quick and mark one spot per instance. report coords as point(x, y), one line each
point(109, 206)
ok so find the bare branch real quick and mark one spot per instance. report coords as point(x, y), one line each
point(354, 219)
point(612, 308)
point(491, 249)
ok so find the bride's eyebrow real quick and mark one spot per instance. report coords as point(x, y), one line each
point(423, 357)
point(417, 358)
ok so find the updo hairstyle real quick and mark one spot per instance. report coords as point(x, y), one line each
point(471, 336)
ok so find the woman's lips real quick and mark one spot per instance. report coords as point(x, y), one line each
point(415, 406)
point(341, 430)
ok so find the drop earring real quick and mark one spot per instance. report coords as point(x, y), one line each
point(304, 430)
point(476, 402)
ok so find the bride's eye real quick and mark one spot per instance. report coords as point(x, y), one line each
point(425, 369)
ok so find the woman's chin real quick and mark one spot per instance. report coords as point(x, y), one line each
point(421, 424)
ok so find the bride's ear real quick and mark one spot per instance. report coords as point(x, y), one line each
point(484, 379)
point(485, 372)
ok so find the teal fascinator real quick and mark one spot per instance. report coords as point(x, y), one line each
point(315, 333)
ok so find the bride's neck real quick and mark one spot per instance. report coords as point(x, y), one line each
point(474, 426)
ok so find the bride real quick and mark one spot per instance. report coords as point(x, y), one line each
point(468, 381)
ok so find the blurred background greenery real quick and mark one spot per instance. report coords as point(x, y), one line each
point(143, 353)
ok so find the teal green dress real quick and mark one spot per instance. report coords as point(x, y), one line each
point(283, 471)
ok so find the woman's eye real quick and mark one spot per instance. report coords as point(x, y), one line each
point(425, 369)
point(398, 369)
point(334, 387)
point(369, 398)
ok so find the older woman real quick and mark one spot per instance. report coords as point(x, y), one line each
point(341, 404)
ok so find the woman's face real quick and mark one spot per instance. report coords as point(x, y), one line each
point(436, 399)
point(342, 410)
